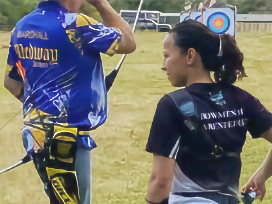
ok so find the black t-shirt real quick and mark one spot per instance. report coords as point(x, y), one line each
point(227, 113)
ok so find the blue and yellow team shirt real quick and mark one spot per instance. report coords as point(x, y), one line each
point(57, 56)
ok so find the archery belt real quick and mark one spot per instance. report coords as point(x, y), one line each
point(54, 152)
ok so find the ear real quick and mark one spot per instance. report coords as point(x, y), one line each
point(191, 54)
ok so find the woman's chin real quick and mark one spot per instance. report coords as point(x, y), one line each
point(177, 85)
point(174, 84)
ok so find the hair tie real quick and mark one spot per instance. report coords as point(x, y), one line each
point(220, 53)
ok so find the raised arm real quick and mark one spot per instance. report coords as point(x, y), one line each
point(111, 18)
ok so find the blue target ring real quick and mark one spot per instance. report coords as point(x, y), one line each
point(197, 17)
point(186, 18)
point(218, 22)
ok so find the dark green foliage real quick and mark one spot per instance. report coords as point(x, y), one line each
point(13, 10)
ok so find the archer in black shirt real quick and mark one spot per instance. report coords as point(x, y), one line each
point(227, 112)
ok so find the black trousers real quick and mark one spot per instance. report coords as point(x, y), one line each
point(216, 197)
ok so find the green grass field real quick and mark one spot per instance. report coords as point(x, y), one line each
point(121, 167)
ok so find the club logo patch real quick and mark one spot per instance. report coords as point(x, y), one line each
point(218, 98)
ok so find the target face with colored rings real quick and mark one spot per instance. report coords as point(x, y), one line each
point(184, 17)
point(197, 18)
point(218, 22)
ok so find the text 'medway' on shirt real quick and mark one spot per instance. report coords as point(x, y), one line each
point(57, 56)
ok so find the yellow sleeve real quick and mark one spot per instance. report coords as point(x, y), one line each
point(83, 20)
point(114, 47)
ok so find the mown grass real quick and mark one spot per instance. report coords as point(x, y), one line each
point(121, 167)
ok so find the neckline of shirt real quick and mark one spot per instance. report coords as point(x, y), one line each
point(54, 5)
point(201, 86)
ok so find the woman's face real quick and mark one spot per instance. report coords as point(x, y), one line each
point(175, 62)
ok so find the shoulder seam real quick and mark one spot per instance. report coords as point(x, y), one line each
point(85, 18)
point(168, 99)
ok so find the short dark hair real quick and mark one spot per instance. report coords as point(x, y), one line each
point(226, 68)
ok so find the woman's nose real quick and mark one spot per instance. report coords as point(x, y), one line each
point(163, 68)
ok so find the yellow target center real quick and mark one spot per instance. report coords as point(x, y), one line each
point(219, 23)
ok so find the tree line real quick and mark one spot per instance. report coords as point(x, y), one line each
point(13, 10)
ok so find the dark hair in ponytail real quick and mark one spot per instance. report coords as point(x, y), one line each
point(226, 68)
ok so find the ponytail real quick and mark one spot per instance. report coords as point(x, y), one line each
point(230, 63)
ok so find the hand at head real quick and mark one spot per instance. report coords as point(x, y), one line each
point(95, 2)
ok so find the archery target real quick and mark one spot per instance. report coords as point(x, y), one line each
point(196, 16)
point(220, 20)
point(184, 17)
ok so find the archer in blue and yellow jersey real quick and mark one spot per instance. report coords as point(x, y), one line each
point(57, 55)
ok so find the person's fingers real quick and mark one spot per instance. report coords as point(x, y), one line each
point(255, 188)
point(244, 189)
point(263, 194)
point(260, 193)
point(247, 187)
point(261, 198)
point(244, 186)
